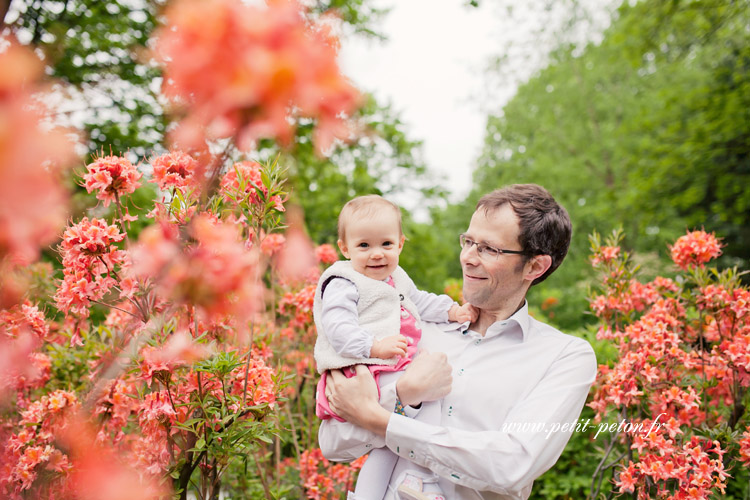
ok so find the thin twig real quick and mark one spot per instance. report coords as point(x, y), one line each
point(114, 307)
point(599, 467)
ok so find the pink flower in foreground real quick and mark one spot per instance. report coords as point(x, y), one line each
point(174, 170)
point(272, 244)
point(100, 472)
point(297, 258)
point(695, 249)
point(212, 270)
point(33, 201)
point(326, 254)
point(245, 70)
point(111, 177)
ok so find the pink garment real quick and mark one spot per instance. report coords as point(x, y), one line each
point(408, 329)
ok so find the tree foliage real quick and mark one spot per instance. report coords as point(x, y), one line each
point(646, 130)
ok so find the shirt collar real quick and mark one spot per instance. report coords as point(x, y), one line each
point(520, 318)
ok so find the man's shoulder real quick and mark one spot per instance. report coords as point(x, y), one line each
point(551, 335)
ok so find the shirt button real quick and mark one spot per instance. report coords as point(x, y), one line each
point(368, 445)
point(404, 313)
point(411, 454)
point(478, 341)
point(460, 372)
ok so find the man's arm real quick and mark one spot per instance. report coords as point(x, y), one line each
point(427, 378)
point(505, 460)
point(500, 460)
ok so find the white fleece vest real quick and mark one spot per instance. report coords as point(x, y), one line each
point(378, 309)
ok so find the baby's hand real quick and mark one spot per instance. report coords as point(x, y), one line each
point(464, 313)
point(389, 347)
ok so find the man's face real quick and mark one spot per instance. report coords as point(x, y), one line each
point(491, 284)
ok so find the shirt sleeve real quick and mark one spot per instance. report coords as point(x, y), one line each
point(344, 442)
point(340, 320)
point(505, 460)
point(431, 307)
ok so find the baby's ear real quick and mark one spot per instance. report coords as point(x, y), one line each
point(401, 243)
point(343, 248)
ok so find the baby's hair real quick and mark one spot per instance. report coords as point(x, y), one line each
point(365, 206)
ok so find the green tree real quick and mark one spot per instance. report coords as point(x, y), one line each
point(642, 131)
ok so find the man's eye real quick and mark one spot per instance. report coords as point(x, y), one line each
point(490, 251)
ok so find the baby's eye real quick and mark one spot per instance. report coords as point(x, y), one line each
point(363, 245)
point(387, 243)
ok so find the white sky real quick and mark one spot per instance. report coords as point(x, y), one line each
point(430, 70)
point(432, 67)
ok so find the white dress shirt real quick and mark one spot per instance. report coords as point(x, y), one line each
point(520, 372)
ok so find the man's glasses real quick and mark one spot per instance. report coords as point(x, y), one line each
point(486, 252)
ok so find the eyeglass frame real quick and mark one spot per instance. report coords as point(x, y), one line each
point(483, 247)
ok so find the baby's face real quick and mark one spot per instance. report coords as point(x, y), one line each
point(373, 243)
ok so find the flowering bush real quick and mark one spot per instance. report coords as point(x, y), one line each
point(243, 69)
point(681, 376)
point(164, 362)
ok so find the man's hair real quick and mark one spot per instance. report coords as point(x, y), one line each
point(365, 206)
point(545, 225)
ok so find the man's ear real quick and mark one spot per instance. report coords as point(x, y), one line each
point(537, 266)
point(343, 248)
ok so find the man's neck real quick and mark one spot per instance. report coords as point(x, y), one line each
point(487, 318)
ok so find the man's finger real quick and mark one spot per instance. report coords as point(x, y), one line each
point(360, 370)
point(335, 376)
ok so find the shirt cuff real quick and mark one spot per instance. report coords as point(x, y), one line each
point(402, 436)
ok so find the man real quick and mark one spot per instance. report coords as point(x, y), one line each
point(512, 387)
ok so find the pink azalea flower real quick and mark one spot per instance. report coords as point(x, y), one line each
point(244, 71)
point(174, 170)
point(326, 254)
point(112, 177)
point(695, 249)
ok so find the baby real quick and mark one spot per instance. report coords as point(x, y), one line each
point(367, 311)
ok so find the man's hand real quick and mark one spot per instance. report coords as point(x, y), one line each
point(355, 399)
point(427, 378)
point(464, 313)
point(389, 347)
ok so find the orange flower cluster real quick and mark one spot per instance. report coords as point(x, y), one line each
point(175, 170)
point(245, 71)
point(695, 249)
point(323, 480)
point(298, 306)
point(272, 244)
point(90, 258)
point(22, 330)
point(111, 177)
point(326, 254)
point(695, 468)
point(31, 451)
point(668, 336)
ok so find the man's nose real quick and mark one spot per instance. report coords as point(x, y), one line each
point(469, 255)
